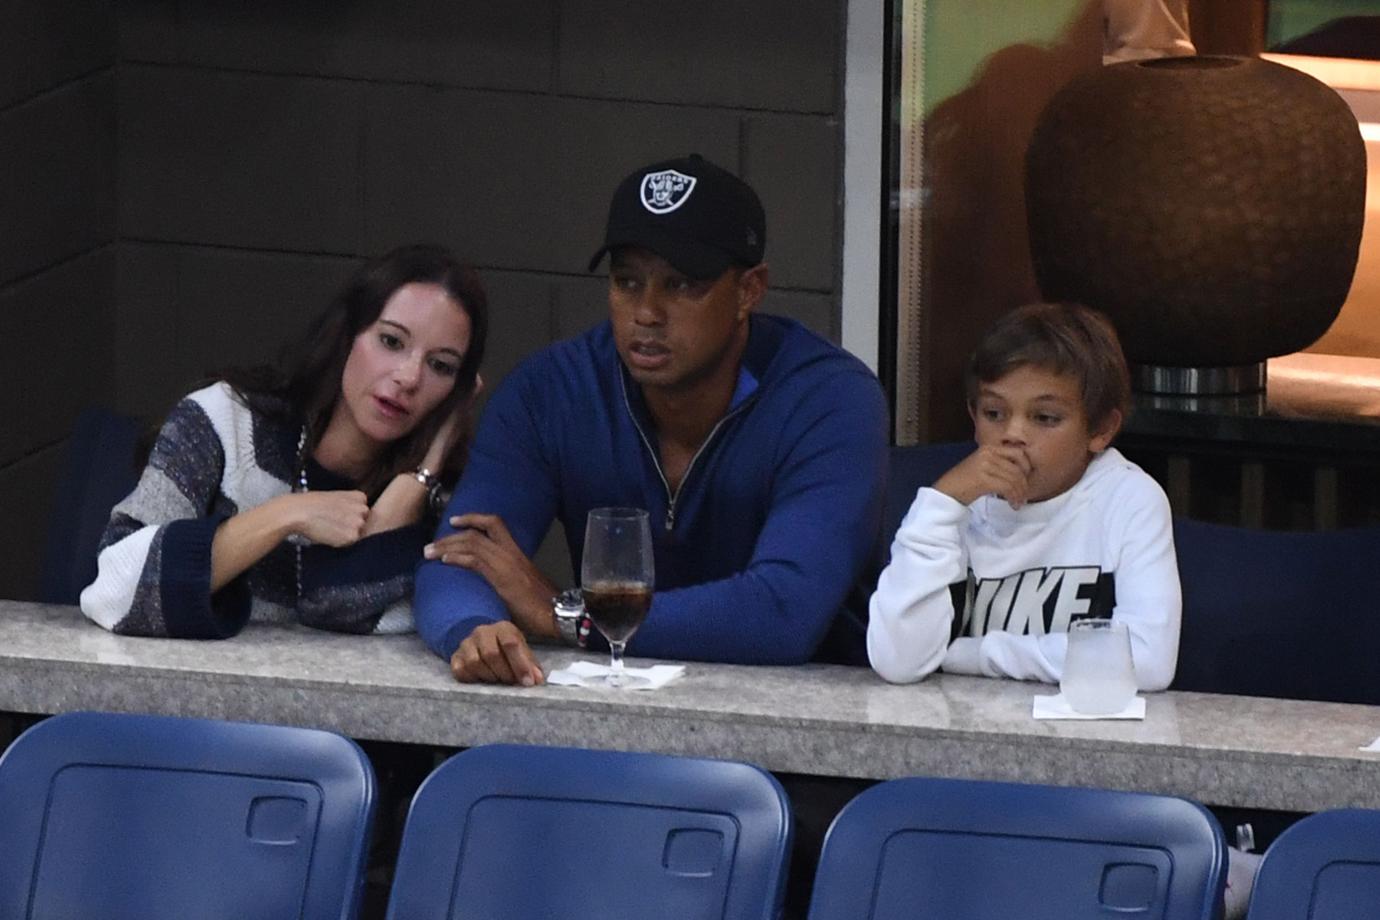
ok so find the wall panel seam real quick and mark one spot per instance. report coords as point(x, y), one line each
point(477, 88)
point(42, 94)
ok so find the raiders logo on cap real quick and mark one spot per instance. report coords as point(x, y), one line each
point(723, 225)
point(664, 191)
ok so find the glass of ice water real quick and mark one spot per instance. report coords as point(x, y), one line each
point(1099, 678)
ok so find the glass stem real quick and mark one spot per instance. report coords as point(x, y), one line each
point(616, 649)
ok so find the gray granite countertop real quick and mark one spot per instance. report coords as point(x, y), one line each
point(817, 719)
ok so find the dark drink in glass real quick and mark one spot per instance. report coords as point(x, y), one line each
point(616, 575)
point(617, 607)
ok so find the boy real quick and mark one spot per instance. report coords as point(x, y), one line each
point(1043, 524)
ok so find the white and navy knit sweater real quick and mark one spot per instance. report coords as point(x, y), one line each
point(215, 458)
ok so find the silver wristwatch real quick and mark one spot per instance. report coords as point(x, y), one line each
point(568, 610)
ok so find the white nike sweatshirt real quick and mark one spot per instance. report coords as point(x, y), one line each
point(1105, 546)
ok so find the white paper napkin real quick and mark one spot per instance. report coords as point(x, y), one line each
point(1373, 747)
point(1054, 706)
point(578, 674)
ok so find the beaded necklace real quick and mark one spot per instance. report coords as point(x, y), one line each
point(300, 487)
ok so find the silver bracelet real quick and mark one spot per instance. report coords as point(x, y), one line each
point(432, 483)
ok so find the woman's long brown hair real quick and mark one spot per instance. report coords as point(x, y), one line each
point(306, 385)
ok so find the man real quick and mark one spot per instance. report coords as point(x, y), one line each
point(758, 448)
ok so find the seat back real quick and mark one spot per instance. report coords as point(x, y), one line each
point(159, 818)
point(529, 833)
point(937, 849)
point(1279, 614)
point(911, 469)
point(99, 471)
point(1324, 867)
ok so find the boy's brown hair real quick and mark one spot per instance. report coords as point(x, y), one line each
point(1064, 338)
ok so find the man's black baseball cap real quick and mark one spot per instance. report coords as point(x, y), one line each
point(697, 216)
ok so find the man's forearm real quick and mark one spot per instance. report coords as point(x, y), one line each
point(448, 603)
point(533, 612)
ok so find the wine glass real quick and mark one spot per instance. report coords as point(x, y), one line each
point(616, 578)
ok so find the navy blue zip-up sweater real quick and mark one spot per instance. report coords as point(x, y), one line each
point(770, 529)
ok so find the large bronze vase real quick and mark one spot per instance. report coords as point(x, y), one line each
point(1212, 206)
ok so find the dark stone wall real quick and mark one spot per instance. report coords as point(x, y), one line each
point(57, 254)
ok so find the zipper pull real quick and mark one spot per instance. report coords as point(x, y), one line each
point(670, 517)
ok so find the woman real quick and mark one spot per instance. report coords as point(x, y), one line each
point(306, 495)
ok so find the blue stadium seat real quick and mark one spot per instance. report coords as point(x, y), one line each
point(127, 817)
point(531, 833)
point(912, 468)
point(938, 849)
point(1325, 867)
point(1279, 614)
point(101, 468)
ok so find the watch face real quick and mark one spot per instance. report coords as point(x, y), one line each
point(568, 625)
